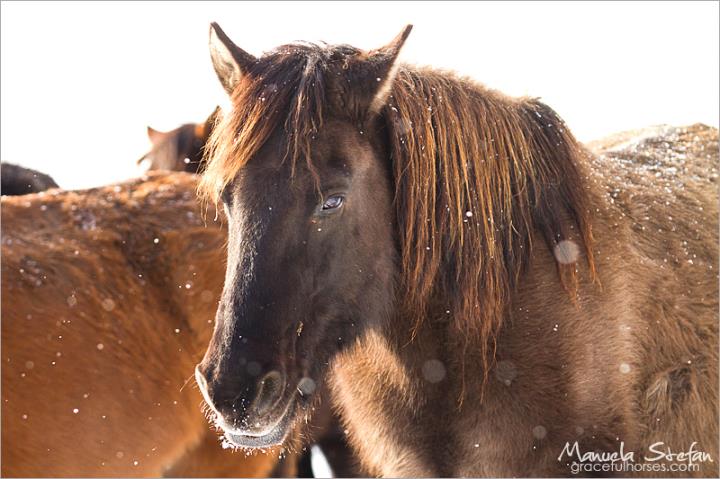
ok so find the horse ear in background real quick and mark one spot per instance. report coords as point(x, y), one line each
point(18, 180)
point(181, 149)
point(155, 136)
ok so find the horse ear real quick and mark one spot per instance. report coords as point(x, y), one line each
point(229, 61)
point(386, 66)
point(154, 135)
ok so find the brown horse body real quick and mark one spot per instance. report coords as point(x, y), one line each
point(107, 299)
point(481, 290)
point(632, 360)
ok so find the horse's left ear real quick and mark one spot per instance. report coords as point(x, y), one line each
point(154, 135)
point(384, 65)
point(230, 62)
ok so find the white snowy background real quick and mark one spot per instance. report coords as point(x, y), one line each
point(80, 81)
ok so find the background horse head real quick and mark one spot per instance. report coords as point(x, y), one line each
point(181, 149)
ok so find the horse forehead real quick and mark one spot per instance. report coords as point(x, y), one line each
point(341, 140)
point(336, 141)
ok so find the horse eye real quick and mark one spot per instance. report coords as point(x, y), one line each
point(333, 202)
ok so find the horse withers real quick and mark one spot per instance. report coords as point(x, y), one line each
point(484, 296)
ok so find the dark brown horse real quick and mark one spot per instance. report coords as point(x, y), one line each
point(181, 149)
point(18, 180)
point(484, 296)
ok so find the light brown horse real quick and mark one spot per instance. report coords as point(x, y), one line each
point(485, 297)
point(108, 296)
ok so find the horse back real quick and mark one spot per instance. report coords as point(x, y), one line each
point(662, 189)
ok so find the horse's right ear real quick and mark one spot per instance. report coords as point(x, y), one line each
point(229, 61)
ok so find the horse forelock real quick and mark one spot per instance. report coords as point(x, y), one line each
point(476, 173)
point(285, 89)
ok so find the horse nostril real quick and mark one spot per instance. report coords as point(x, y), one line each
point(270, 389)
point(200, 380)
point(203, 386)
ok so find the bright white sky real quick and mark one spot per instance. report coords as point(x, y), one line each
point(80, 81)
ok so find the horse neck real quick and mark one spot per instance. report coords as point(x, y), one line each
point(195, 273)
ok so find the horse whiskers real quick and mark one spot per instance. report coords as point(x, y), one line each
point(187, 381)
point(210, 415)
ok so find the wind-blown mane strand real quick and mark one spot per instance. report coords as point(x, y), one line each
point(476, 173)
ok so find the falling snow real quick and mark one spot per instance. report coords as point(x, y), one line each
point(539, 432)
point(108, 304)
point(506, 372)
point(433, 370)
point(566, 252)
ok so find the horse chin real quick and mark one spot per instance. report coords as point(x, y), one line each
point(271, 436)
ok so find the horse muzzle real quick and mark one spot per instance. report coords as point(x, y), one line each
point(267, 435)
point(262, 421)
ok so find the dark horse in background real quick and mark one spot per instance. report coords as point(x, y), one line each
point(18, 180)
point(483, 295)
